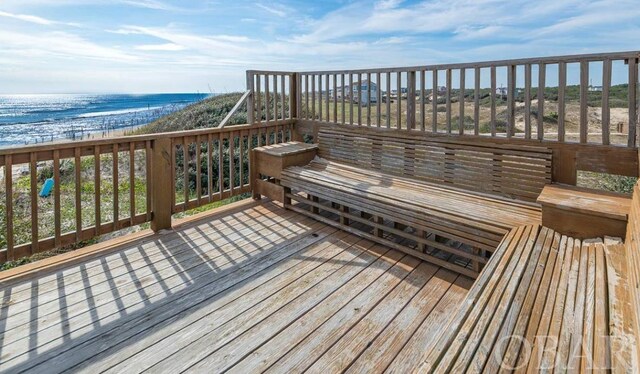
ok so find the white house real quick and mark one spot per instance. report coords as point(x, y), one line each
point(360, 93)
point(502, 91)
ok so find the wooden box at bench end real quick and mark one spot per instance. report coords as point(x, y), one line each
point(584, 213)
point(270, 160)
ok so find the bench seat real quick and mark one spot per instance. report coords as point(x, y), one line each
point(469, 218)
point(544, 301)
point(442, 199)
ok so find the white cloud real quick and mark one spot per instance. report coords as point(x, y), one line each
point(60, 45)
point(160, 47)
point(27, 18)
point(276, 10)
point(151, 4)
point(387, 4)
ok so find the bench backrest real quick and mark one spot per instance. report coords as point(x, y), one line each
point(512, 171)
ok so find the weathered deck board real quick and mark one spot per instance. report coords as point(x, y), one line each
point(248, 291)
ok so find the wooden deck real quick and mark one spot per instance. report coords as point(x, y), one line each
point(255, 289)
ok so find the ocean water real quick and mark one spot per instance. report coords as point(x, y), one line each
point(29, 119)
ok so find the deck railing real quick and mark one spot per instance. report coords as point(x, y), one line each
point(466, 99)
point(274, 96)
point(101, 186)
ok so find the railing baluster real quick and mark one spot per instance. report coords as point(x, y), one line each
point(476, 102)
point(221, 164)
point(267, 99)
point(493, 101)
point(411, 100)
point(132, 181)
point(328, 98)
point(258, 99)
point(399, 102)
point(368, 99)
point(33, 166)
point(185, 170)
point(275, 97)
point(542, 71)
point(307, 115)
point(8, 179)
point(434, 102)
point(359, 90)
point(449, 89)
point(606, 113)
point(562, 84)
point(249, 150)
point(97, 189)
point(78, 190)
point(210, 167)
point(116, 188)
point(148, 174)
point(241, 159)
point(423, 100)
point(313, 97)
point(335, 98)
point(527, 101)
point(511, 108)
point(378, 100)
point(461, 102)
point(633, 101)
point(388, 100)
point(198, 170)
point(350, 99)
point(320, 97)
point(344, 108)
point(174, 164)
point(56, 197)
point(232, 163)
point(295, 96)
point(284, 97)
point(584, 91)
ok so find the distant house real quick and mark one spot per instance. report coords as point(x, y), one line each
point(442, 90)
point(360, 92)
point(502, 91)
point(595, 88)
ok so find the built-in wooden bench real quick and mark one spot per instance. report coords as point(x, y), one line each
point(545, 301)
point(422, 195)
point(584, 213)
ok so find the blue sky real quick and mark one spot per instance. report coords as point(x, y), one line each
point(79, 46)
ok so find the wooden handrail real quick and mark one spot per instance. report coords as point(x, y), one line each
point(503, 115)
point(486, 64)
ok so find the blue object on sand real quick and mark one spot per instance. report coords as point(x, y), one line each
point(46, 188)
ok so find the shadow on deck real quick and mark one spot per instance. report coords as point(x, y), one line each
point(256, 288)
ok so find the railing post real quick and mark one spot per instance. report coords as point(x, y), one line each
point(411, 100)
point(294, 95)
point(250, 100)
point(162, 191)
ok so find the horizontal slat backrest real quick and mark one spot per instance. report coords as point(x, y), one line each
point(512, 171)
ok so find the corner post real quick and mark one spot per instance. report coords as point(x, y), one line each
point(162, 191)
point(293, 96)
point(250, 100)
point(411, 100)
point(298, 95)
